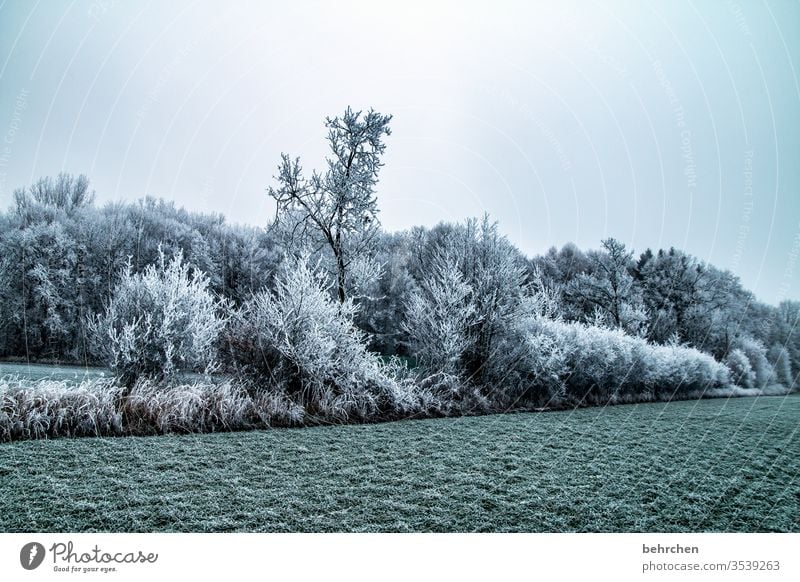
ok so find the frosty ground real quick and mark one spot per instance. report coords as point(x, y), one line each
point(73, 374)
point(708, 465)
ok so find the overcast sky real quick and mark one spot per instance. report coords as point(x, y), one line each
point(660, 123)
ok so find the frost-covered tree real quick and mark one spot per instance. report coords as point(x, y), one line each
point(474, 265)
point(382, 303)
point(298, 340)
point(159, 322)
point(335, 209)
point(756, 353)
point(781, 363)
point(557, 267)
point(48, 196)
point(742, 373)
point(703, 305)
point(439, 313)
point(608, 293)
point(786, 331)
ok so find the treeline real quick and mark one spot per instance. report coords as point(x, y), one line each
point(61, 256)
point(448, 320)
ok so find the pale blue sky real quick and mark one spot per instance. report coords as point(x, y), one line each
point(661, 123)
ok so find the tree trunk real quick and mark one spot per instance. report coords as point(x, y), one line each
point(339, 254)
point(340, 275)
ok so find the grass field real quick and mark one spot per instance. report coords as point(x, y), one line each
point(42, 371)
point(710, 465)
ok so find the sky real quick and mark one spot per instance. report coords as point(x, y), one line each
point(668, 123)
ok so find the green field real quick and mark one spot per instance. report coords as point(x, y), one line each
point(711, 465)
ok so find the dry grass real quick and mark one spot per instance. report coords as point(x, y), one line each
point(48, 408)
point(34, 409)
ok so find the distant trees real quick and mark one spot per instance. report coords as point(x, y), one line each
point(336, 208)
point(43, 265)
point(784, 334)
point(607, 294)
point(690, 300)
point(61, 257)
point(47, 197)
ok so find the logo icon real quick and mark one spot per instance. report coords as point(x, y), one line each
point(31, 555)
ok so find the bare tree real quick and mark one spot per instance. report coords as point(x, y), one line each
point(337, 208)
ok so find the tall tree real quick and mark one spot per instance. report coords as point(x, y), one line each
point(337, 208)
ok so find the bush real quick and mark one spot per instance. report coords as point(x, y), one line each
point(540, 371)
point(298, 341)
point(438, 315)
point(582, 364)
point(680, 371)
point(742, 373)
point(781, 363)
point(756, 354)
point(158, 323)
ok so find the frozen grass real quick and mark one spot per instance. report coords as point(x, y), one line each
point(706, 465)
point(48, 408)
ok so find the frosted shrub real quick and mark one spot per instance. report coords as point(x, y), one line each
point(779, 357)
point(542, 366)
point(300, 341)
point(585, 364)
point(438, 315)
point(36, 409)
point(742, 373)
point(159, 322)
point(152, 407)
point(757, 356)
point(678, 371)
point(592, 362)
